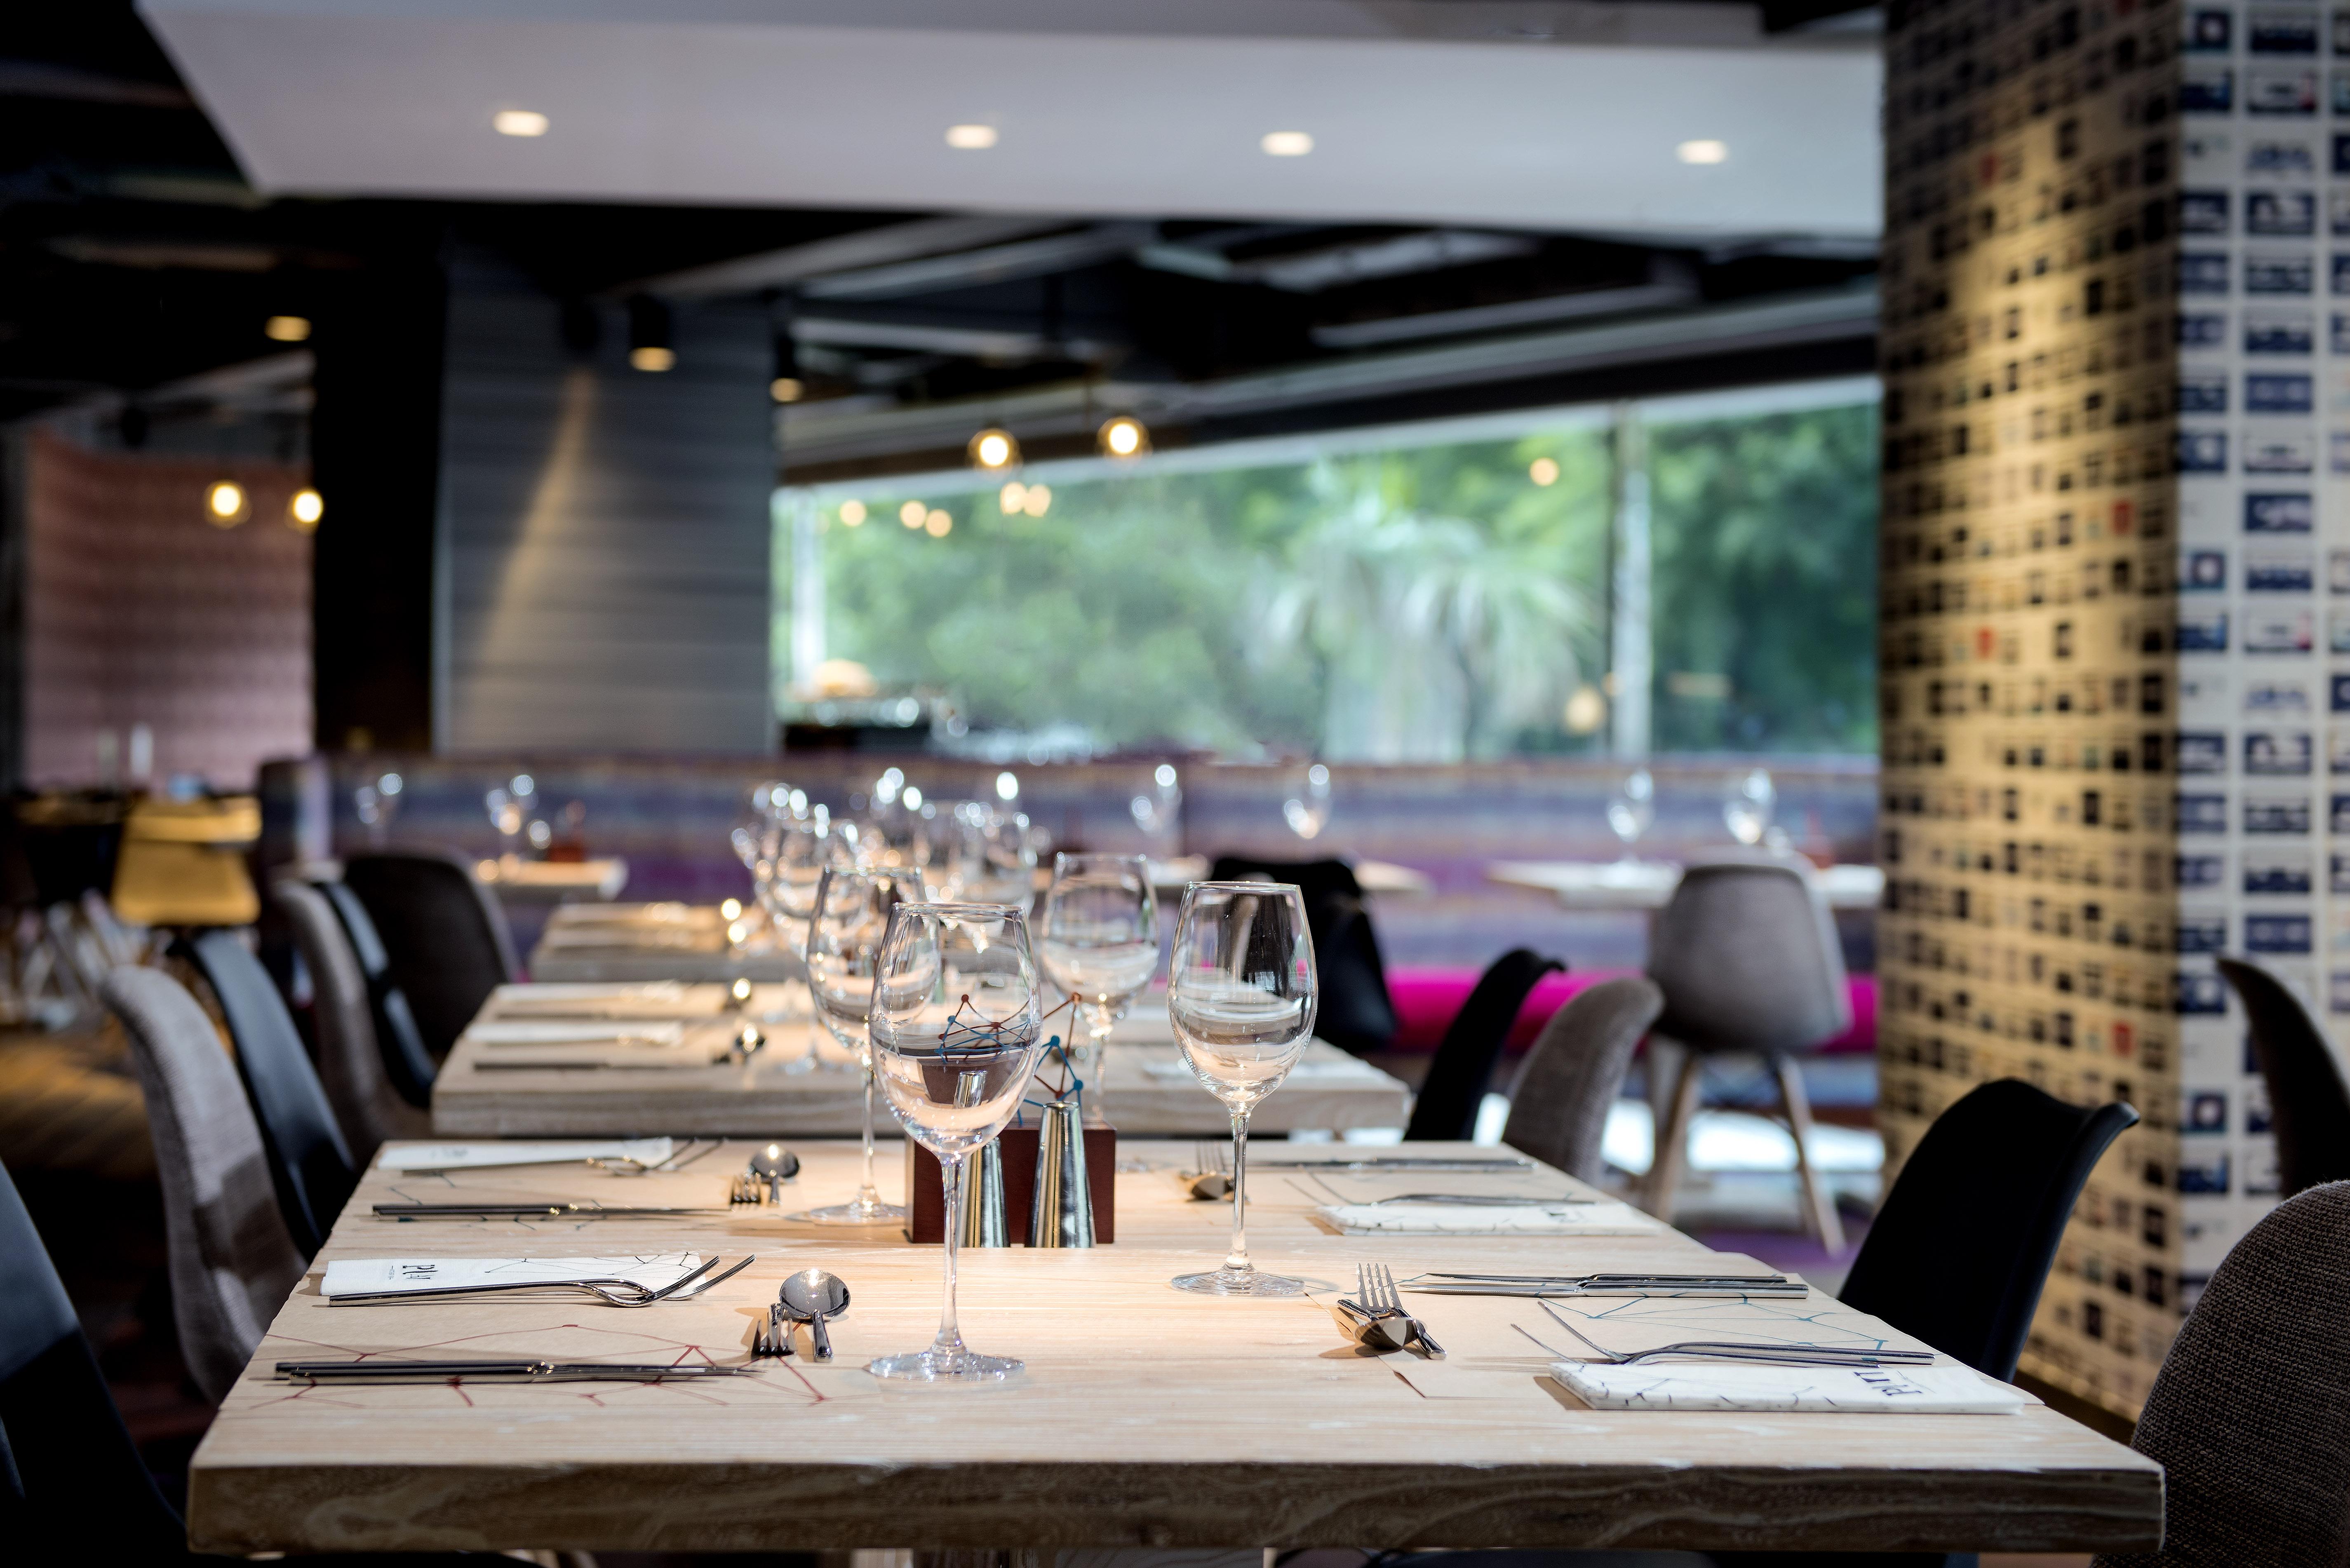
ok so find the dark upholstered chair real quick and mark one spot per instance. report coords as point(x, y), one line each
point(1463, 1069)
point(309, 1164)
point(1746, 954)
point(444, 935)
point(232, 1263)
point(406, 1062)
point(2308, 1107)
point(72, 1486)
point(2250, 1417)
point(1356, 1013)
point(1962, 1245)
point(352, 1066)
point(1558, 1111)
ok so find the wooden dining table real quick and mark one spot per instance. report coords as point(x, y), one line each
point(596, 942)
point(801, 1081)
point(1145, 1416)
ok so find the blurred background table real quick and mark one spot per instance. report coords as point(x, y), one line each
point(554, 881)
point(1648, 884)
point(658, 942)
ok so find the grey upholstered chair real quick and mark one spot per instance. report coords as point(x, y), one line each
point(1746, 954)
point(351, 1062)
point(231, 1261)
point(1558, 1111)
point(2250, 1417)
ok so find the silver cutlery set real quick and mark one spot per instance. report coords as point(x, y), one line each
point(1376, 1319)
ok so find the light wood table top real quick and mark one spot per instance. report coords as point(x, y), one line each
point(1146, 1416)
point(591, 943)
point(553, 881)
point(1649, 884)
point(804, 1083)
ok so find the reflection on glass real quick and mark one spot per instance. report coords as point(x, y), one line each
point(848, 918)
point(956, 1027)
point(1746, 805)
point(1307, 809)
point(1242, 994)
point(1157, 810)
point(1632, 807)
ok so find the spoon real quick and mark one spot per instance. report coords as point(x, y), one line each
point(775, 1165)
point(812, 1296)
point(747, 1042)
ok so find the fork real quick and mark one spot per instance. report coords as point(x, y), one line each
point(771, 1338)
point(1736, 1350)
point(616, 1293)
point(1377, 1289)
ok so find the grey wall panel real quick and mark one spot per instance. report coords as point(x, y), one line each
point(604, 532)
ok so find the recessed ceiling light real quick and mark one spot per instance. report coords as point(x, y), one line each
point(518, 122)
point(1287, 143)
point(994, 448)
point(1702, 151)
point(970, 137)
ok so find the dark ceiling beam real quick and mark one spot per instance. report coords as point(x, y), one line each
point(1786, 16)
point(1085, 247)
point(882, 245)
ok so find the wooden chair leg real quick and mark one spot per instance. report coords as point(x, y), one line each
point(1671, 1143)
point(1819, 1205)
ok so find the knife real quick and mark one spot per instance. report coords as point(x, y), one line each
point(508, 1371)
point(1394, 1162)
point(526, 1211)
point(1769, 1285)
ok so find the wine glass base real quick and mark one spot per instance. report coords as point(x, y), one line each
point(1239, 1283)
point(946, 1366)
point(859, 1213)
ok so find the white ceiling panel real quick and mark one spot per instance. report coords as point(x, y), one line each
point(780, 104)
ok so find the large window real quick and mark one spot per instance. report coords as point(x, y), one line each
point(1423, 593)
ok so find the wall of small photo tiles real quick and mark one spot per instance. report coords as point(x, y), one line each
point(2031, 678)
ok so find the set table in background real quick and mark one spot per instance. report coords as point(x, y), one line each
point(1649, 884)
point(516, 1071)
point(1147, 1416)
point(658, 941)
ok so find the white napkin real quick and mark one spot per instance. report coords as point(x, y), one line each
point(474, 1156)
point(362, 1276)
point(1529, 1219)
point(1940, 1390)
point(585, 1031)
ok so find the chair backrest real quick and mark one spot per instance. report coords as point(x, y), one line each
point(1746, 954)
point(72, 1486)
point(2249, 1416)
point(405, 1061)
point(351, 1064)
point(1960, 1248)
point(1558, 1111)
point(445, 936)
point(1356, 1013)
point(232, 1263)
point(1463, 1069)
point(2308, 1107)
point(309, 1164)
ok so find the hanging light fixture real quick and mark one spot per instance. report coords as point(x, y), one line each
point(649, 334)
point(994, 448)
point(226, 504)
point(302, 512)
point(1122, 436)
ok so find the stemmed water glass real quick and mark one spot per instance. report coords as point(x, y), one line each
point(1632, 807)
point(847, 919)
point(1158, 812)
point(990, 859)
point(956, 1027)
point(1307, 809)
point(1747, 804)
point(1242, 996)
point(1099, 940)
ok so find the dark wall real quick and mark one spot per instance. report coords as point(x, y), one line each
point(375, 454)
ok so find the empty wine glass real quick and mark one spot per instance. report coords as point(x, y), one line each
point(989, 858)
point(1746, 805)
point(1158, 812)
point(954, 1027)
point(377, 805)
point(1307, 809)
point(1099, 940)
point(803, 848)
point(1242, 995)
point(848, 918)
point(1632, 807)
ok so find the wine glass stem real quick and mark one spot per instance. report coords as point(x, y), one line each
point(950, 1340)
point(868, 1194)
point(1237, 1260)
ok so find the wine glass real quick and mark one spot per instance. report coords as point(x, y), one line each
point(1099, 940)
point(803, 848)
point(1157, 811)
point(989, 858)
point(1632, 807)
point(848, 918)
point(1242, 996)
point(1746, 805)
point(1307, 809)
point(954, 1026)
